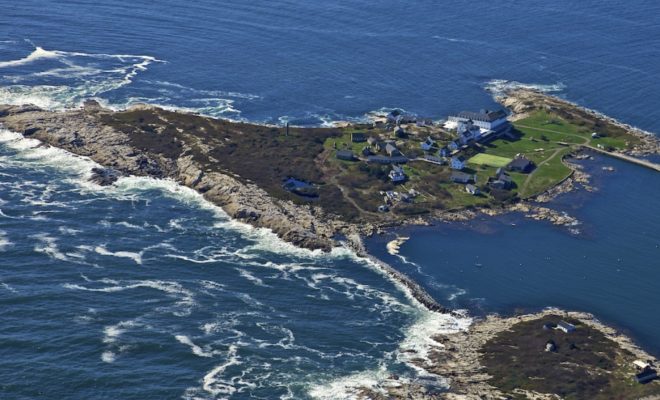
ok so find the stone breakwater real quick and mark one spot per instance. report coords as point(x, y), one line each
point(412, 287)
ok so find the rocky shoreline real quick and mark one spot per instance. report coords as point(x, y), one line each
point(83, 132)
point(459, 358)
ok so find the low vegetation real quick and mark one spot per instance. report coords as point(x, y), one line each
point(584, 364)
point(267, 156)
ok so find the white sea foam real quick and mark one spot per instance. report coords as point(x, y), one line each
point(212, 383)
point(417, 337)
point(8, 287)
point(348, 387)
point(48, 245)
point(82, 71)
point(136, 257)
point(498, 86)
point(38, 54)
point(108, 357)
point(111, 333)
point(249, 276)
point(197, 350)
point(4, 241)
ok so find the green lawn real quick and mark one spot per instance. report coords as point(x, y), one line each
point(490, 160)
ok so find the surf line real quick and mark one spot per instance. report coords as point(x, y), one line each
point(416, 291)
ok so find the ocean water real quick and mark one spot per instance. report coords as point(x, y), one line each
point(607, 264)
point(145, 291)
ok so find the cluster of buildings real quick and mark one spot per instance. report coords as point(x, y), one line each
point(472, 128)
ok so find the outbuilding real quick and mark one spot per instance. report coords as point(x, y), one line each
point(391, 150)
point(397, 174)
point(565, 326)
point(458, 163)
point(521, 164)
point(473, 190)
point(358, 137)
point(461, 177)
point(345, 155)
point(646, 376)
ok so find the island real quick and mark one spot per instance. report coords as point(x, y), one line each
point(313, 185)
point(320, 187)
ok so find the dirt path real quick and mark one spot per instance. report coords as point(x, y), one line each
point(586, 140)
point(530, 176)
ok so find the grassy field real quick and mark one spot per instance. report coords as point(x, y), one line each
point(489, 160)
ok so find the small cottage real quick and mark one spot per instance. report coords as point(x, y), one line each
point(468, 131)
point(565, 326)
point(399, 132)
point(397, 174)
point(550, 346)
point(391, 150)
point(444, 152)
point(366, 151)
point(358, 137)
point(428, 144)
point(453, 146)
point(462, 177)
point(646, 376)
point(521, 164)
point(345, 155)
point(458, 163)
point(473, 190)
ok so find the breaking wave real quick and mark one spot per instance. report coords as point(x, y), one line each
point(314, 268)
point(497, 87)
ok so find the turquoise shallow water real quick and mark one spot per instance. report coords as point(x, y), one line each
point(143, 291)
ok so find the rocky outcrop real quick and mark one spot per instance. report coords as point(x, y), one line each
point(523, 101)
point(82, 132)
point(459, 358)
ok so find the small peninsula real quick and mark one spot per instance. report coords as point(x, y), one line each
point(549, 355)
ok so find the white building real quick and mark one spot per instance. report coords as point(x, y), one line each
point(566, 326)
point(468, 131)
point(488, 120)
point(397, 175)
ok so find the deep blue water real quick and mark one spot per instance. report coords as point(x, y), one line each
point(145, 291)
point(607, 265)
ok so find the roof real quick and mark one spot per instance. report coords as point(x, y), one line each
point(646, 375)
point(520, 162)
point(387, 160)
point(459, 158)
point(504, 178)
point(344, 154)
point(484, 115)
point(566, 325)
point(460, 176)
point(471, 187)
point(641, 364)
